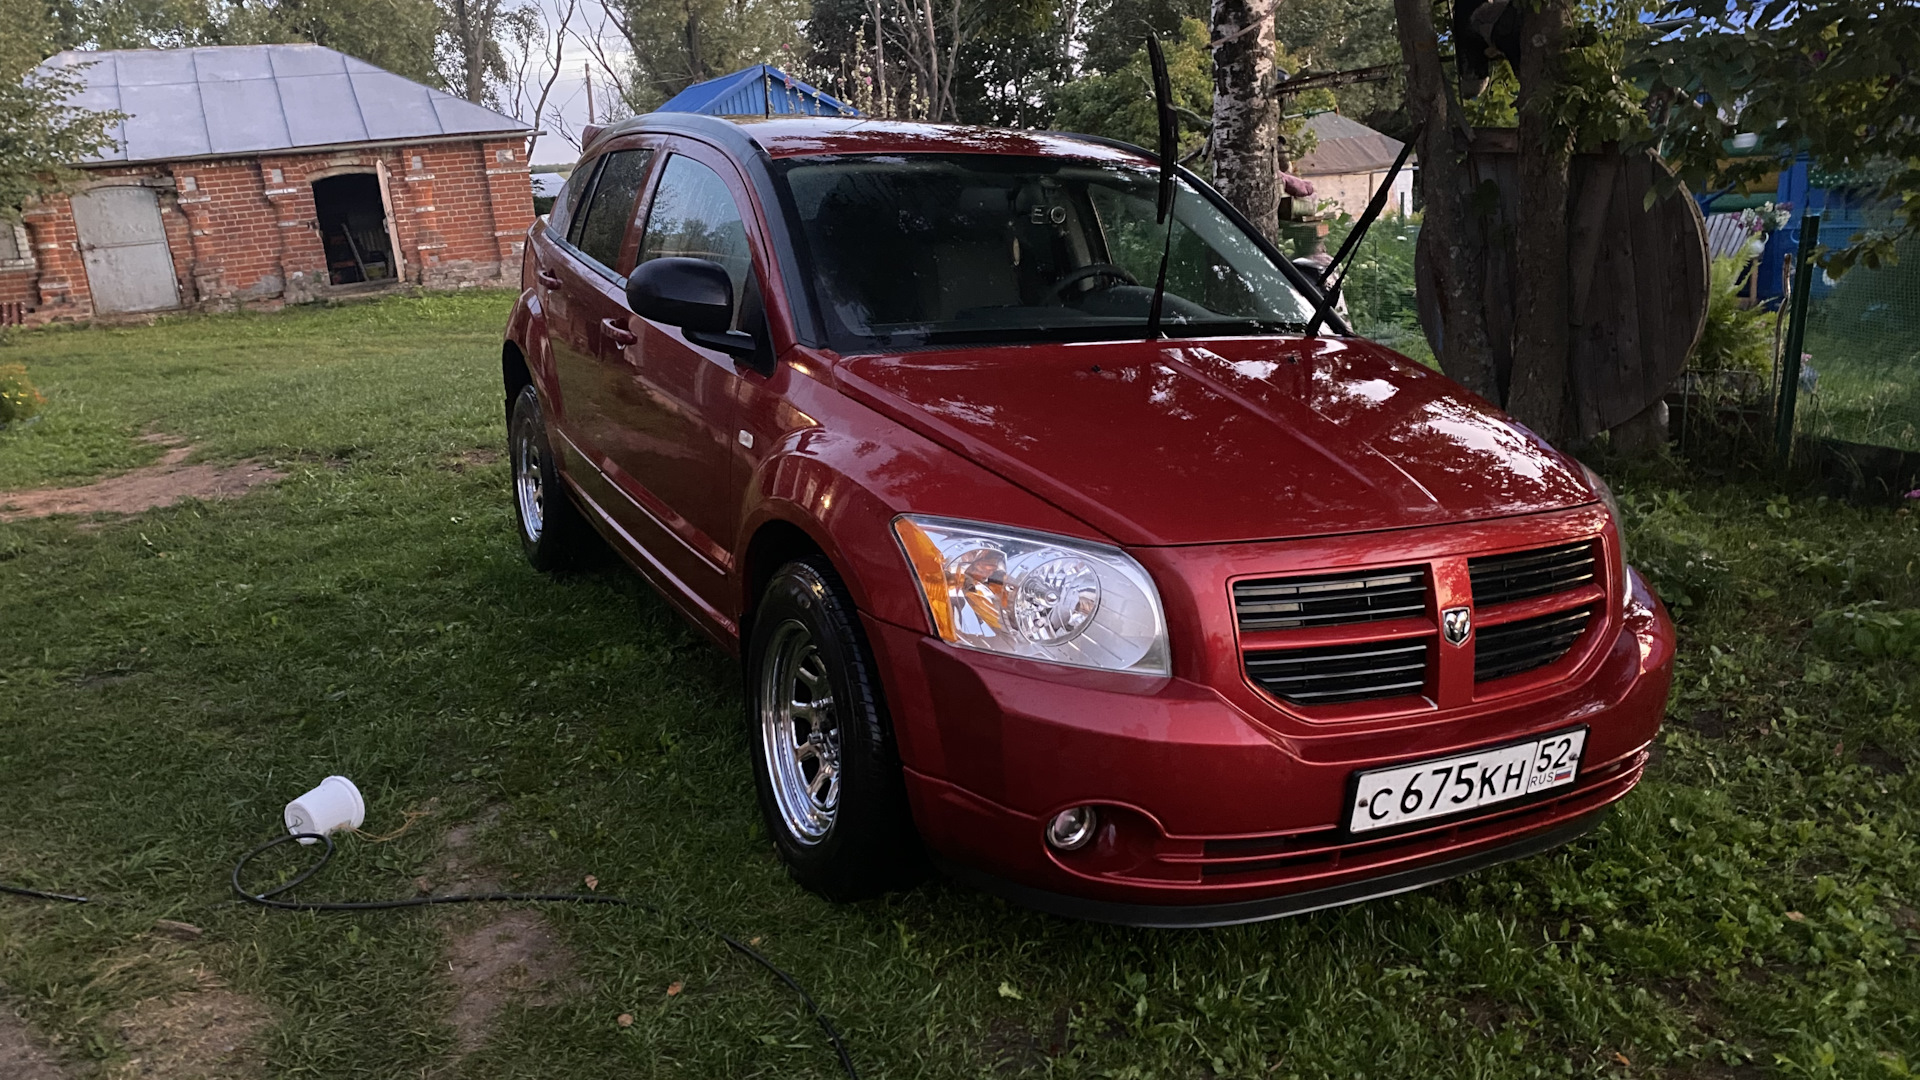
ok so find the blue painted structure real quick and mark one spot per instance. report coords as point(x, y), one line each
point(761, 90)
point(1843, 212)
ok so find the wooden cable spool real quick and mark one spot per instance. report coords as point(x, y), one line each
point(1638, 276)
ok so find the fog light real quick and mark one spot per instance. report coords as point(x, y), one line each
point(1071, 830)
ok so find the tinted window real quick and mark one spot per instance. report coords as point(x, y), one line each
point(616, 188)
point(694, 215)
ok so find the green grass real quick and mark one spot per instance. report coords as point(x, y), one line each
point(168, 681)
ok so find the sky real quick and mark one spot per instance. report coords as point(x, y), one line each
point(569, 97)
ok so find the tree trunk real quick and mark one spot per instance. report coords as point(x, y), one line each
point(469, 29)
point(885, 103)
point(1541, 397)
point(1246, 116)
point(933, 61)
point(696, 66)
point(1447, 185)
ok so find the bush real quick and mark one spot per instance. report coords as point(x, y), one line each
point(18, 398)
point(1736, 337)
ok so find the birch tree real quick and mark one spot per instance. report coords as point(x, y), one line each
point(1246, 113)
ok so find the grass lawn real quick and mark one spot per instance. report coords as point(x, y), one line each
point(169, 680)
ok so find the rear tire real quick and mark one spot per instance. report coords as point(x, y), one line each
point(830, 788)
point(553, 532)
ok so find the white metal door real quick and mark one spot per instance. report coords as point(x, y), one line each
point(124, 247)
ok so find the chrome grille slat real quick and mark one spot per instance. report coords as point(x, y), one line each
point(1334, 674)
point(1516, 647)
point(1522, 575)
point(1331, 600)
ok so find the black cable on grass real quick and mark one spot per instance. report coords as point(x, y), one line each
point(36, 894)
point(267, 900)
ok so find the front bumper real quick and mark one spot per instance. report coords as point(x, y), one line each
point(1233, 913)
point(1213, 811)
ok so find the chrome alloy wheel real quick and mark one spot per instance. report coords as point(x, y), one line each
point(529, 483)
point(799, 733)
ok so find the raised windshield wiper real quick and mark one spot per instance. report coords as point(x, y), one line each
point(1169, 161)
point(1329, 296)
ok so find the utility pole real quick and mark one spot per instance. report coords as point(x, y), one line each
point(588, 72)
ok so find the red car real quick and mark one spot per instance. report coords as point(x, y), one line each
point(1200, 627)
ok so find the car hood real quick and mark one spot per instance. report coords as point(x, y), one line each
point(1190, 442)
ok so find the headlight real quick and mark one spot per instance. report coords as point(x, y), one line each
point(1619, 525)
point(1033, 595)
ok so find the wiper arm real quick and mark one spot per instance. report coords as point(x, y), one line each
point(1169, 161)
point(1329, 296)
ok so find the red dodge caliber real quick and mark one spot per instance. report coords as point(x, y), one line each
point(1201, 626)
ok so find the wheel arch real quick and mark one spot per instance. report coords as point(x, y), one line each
point(777, 541)
point(514, 373)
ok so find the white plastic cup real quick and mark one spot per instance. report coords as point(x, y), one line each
point(335, 804)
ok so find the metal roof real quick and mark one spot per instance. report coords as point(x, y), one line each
point(229, 100)
point(1345, 146)
point(761, 90)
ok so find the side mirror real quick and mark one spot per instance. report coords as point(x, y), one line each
point(692, 294)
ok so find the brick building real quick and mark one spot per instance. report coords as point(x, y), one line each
point(257, 175)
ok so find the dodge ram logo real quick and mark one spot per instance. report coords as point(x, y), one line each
point(1456, 623)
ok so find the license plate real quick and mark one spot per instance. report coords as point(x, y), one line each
point(1386, 797)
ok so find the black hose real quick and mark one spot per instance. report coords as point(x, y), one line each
point(36, 894)
point(267, 900)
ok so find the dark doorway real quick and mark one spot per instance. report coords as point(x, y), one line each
point(353, 228)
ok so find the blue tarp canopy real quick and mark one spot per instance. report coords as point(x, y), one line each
point(761, 90)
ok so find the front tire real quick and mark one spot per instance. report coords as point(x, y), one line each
point(829, 788)
point(553, 533)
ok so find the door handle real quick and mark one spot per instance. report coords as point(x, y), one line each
point(548, 278)
point(620, 335)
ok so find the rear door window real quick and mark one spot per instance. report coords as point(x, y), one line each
point(604, 218)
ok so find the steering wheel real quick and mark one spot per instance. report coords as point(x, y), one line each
point(1091, 270)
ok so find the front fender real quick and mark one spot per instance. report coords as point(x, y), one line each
point(840, 473)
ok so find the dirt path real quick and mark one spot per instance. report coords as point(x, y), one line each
point(162, 483)
point(21, 1056)
point(513, 957)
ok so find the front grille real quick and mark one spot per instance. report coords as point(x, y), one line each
point(1511, 648)
point(1331, 600)
point(1332, 674)
point(1500, 579)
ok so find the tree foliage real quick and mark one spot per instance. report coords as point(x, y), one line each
point(1115, 29)
point(1119, 104)
point(401, 36)
point(1838, 79)
point(677, 43)
point(39, 133)
point(974, 61)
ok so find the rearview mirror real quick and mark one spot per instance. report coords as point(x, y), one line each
point(692, 294)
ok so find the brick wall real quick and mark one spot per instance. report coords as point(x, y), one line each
point(243, 231)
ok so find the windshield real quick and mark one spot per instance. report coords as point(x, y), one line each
point(928, 249)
